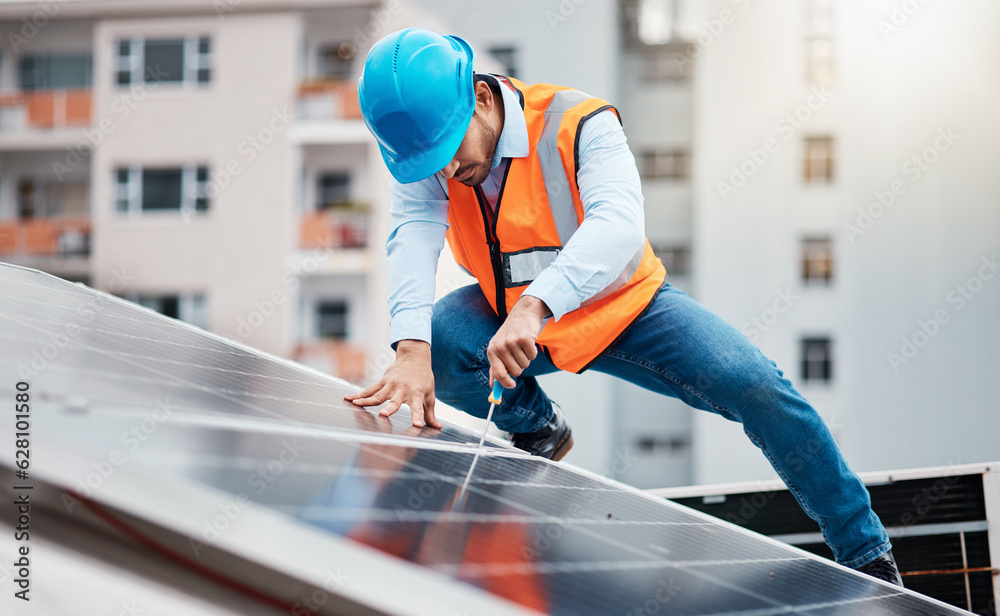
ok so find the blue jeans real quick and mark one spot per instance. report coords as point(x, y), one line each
point(681, 349)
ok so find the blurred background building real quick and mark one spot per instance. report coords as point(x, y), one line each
point(817, 172)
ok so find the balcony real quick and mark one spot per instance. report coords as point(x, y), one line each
point(328, 113)
point(329, 99)
point(336, 357)
point(58, 245)
point(334, 228)
point(61, 236)
point(45, 109)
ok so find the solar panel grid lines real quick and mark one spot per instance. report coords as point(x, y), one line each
point(450, 516)
point(388, 533)
point(187, 376)
point(262, 459)
point(215, 344)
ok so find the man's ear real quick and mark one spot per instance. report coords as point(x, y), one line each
point(484, 96)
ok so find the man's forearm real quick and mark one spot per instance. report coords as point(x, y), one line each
point(412, 252)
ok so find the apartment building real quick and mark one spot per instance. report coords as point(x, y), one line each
point(207, 160)
point(846, 218)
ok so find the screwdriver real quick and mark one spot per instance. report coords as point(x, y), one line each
point(495, 398)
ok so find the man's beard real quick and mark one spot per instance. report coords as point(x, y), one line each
point(488, 141)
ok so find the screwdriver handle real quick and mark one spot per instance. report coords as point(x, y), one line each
point(497, 396)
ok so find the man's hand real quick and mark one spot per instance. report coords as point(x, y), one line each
point(409, 380)
point(513, 347)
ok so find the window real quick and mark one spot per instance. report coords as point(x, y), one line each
point(672, 164)
point(507, 56)
point(177, 61)
point(676, 259)
point(671, 63)
point(55, 72)
point(819, 16)
point(187, 307)
point(161, 189)
point(334, 189)
point(331, 319)
point(165, 59)
point(41, 199)
point(817, 167)
point(337, 61)
point(27, 199)
point(654, 21)
point(817, 360)
point(663, 444)
point(650, 29)
point(817, 260)
point(819, 60)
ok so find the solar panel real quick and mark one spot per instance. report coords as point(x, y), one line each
point(233, 463)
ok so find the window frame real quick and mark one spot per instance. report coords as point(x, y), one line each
point(811, 272)
point(192, 307)
point(320, 204)
point(806, 363)
point(820, 69)
point(194, 190)
point(345, 65)
point(43, 66)
point(195, 62)
point(345, 317)
point(653, 164)
point(811, 163)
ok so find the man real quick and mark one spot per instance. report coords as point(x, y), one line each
point(538, 196)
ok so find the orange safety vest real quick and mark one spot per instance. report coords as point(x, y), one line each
point(538, 210)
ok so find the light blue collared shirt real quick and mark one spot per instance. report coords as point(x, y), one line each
point(611, 233)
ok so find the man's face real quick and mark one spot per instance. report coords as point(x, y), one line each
point(472, 161)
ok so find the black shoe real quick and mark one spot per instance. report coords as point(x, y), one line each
point(883, 568)
point(553, 441)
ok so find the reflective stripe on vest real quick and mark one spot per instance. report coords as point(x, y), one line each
point(557, 185)
point(537, 212)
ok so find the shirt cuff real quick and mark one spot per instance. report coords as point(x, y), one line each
point(556, 291)
point(411, 324)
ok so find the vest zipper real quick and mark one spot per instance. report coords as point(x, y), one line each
point(496, 255)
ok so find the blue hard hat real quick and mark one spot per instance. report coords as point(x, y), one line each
point(417, 97)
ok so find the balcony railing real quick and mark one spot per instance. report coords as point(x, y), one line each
point(329, 100)
point(334, 229)
point(61, 236)
point(336, 357)
point(45, 109)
